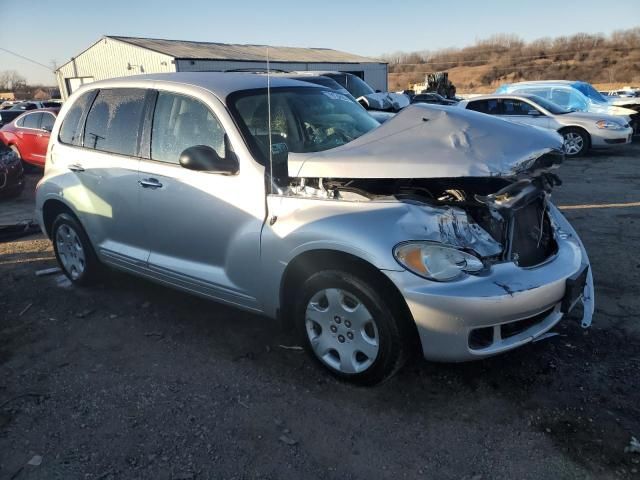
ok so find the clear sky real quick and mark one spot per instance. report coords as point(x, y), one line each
point(54, 30)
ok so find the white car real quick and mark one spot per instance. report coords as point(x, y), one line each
point(580, 130)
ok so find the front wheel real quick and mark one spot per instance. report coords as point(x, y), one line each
point(73, 250)
point(348, 327)
point(576, 142)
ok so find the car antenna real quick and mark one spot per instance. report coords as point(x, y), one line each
point(269, 123)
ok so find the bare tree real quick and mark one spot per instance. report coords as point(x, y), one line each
point(11, 80)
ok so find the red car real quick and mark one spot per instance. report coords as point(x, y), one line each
point(28, 135)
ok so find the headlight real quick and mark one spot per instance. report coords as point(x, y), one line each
point(609, 125)
point(436, 261)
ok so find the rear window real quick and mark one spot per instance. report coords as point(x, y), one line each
point(71, 130)
point(114, 121)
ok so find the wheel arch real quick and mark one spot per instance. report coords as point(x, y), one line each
point(311, 261)
point(577, 127)
point(51, 209)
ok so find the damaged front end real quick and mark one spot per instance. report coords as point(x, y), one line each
point(461, 217)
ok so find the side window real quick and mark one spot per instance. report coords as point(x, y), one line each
point(32, 120)
point(47, 121)
point(484, 106)
point(114, 121)
point(20, 121)
point(515, 107)
point(478, 106)
point(181, 122)
point(577, 102)
point(71, 130)
point(561, 97)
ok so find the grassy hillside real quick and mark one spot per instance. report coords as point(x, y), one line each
point(613, 60)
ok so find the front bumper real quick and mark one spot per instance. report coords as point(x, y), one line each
point(611, 138)
point(515, 305)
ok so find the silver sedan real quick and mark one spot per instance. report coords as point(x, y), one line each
point(580, 130)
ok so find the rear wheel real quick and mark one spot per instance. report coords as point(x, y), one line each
point(576, 142)
point(348, 327)
point(73, 250)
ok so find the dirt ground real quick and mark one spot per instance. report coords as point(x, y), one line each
point(133, 380)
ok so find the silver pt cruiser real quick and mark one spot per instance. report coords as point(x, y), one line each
point(434, 230)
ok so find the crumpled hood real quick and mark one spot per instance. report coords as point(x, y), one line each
point(386, 101)
point(431, 141)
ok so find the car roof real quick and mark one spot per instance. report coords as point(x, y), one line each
point(36, 110)
point(567, 83)
point(497, 96)
point(221, 84)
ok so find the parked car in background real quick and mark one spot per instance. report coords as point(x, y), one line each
point(17, 109)
point(368, 240)
point(367, 96)
point(433, 98)
point(311, 77)
point(11, 173)
point(28, 135)
point(572, 96)
point(580, 130)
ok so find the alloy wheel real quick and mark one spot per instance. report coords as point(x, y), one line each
point(573, 143)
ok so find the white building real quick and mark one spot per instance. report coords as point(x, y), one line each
point(113, 57)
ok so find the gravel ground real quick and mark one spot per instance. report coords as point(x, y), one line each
point(132, 380)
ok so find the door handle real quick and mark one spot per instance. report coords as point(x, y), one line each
point(150, 183)
point(76, 167)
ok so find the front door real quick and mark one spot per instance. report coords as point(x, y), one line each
point(203, 229)
point(523, 112)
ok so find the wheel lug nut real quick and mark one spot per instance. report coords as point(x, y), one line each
point(333, 328)
point(350, 335)
point(347, 323)
point(337, 319)
point(340, 338)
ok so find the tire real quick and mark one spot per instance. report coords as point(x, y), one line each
point(27, 167)
point(74, 251)
point(576, 141)
point(347, 326)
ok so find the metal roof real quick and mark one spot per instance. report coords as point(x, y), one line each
point(225, 51)
point(221, 84)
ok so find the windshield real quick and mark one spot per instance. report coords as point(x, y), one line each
point(303, 119)
point(588, 90)
point(550, 106)
point(356, 86)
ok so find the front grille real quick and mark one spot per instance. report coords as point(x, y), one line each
point(532, 239)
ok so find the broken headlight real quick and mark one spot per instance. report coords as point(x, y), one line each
point(436, 261)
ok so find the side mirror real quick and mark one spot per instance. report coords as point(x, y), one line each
point(203, 158)
point(534, 113)
point(47, 128)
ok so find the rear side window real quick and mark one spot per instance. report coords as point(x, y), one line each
point(71, 130)
point(181, 122)
point(114, 121)
point(47, 121)
point(32, 120)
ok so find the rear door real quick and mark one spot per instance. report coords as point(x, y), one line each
point(103, 159)
point(27, 133)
